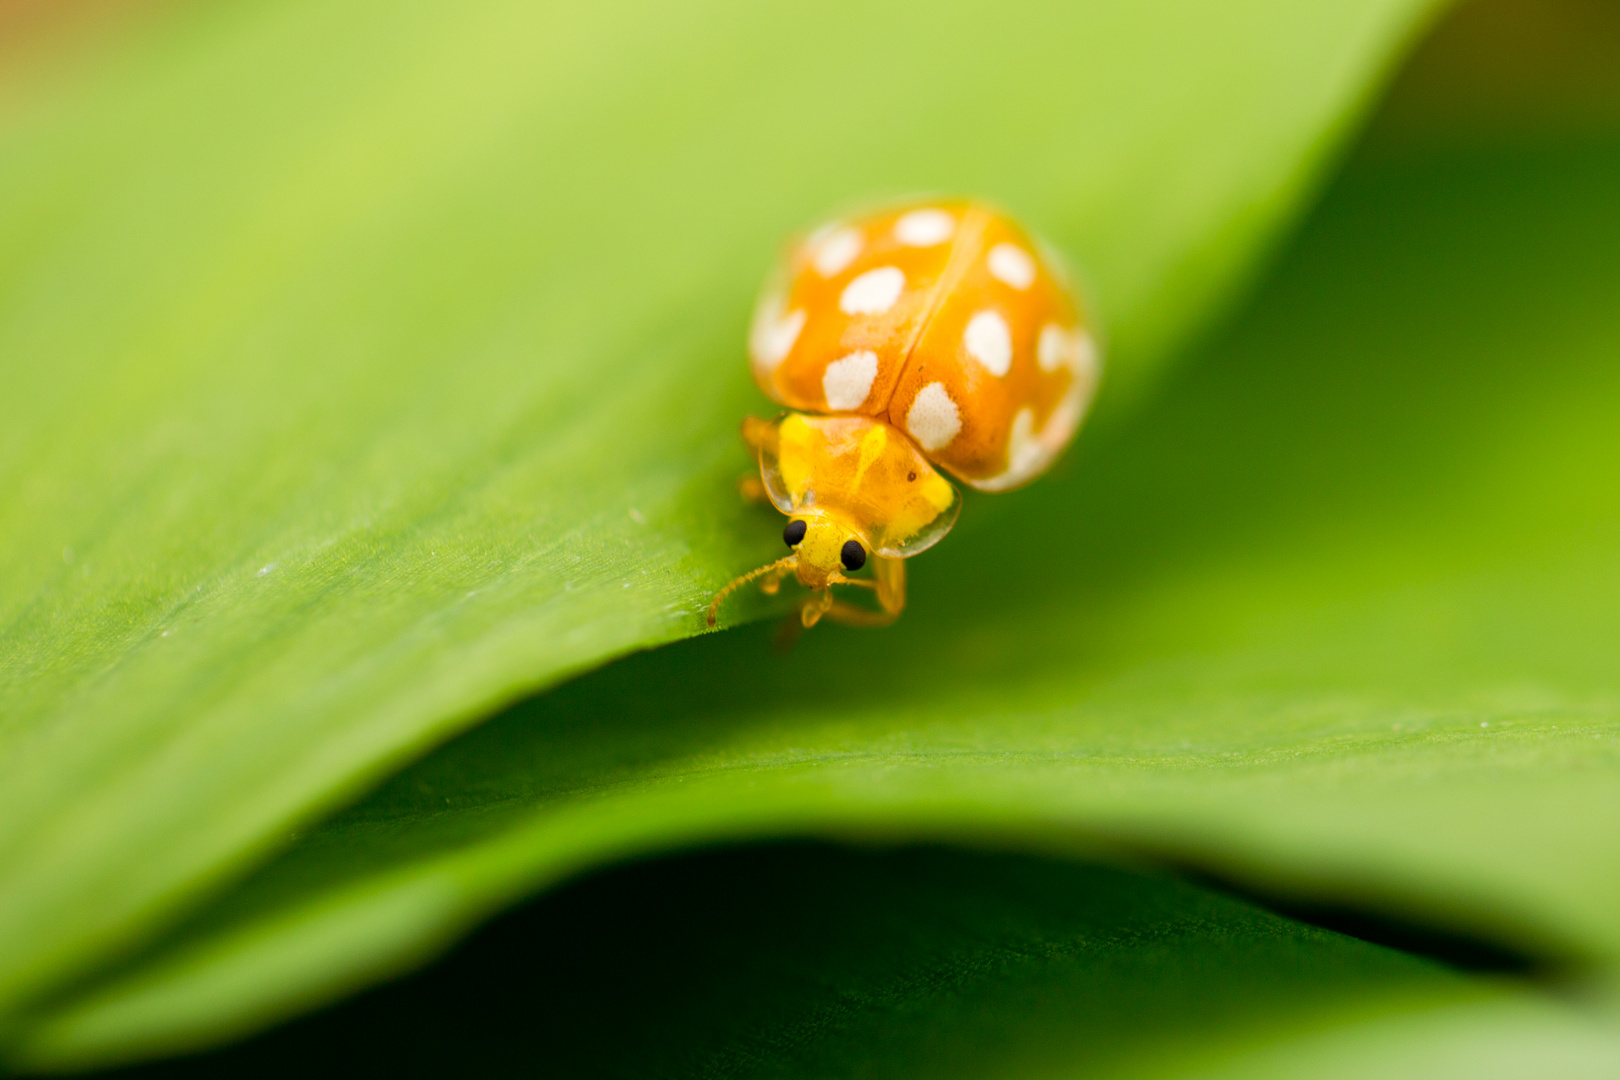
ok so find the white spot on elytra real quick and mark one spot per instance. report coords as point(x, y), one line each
point(988, 341)
point(874, 292)
point(1013, 265)
point(772, 336)
point(933, 418)
point(1086, 362)
point(847, 382)
point(1065, 419)
point(1071, 348)
point(924, 228)
point(1054, 346)
point(837, 250)
point(1024, 451)
point(1029, 452)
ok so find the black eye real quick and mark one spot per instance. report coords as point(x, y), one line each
point(852, 555)
point(793, 533)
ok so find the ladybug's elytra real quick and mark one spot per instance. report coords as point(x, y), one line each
point(931, 333)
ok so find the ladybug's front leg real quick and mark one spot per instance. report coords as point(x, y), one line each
point(771, 583)
point(888, 582)
point(814, 606)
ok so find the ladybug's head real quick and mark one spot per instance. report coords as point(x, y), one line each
point(826, 547)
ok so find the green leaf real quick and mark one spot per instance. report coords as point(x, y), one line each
point(805, 961)
point(1332, 617)
point(369, 364)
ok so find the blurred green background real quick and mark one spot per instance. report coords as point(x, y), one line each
point(369, 367)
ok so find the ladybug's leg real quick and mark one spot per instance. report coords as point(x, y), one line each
point(757, 434)
point(771, 583)
point(815, 606)
point(890, 575)
point(889, 582)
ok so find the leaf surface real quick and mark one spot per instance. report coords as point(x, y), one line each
point(1332, 617)
point(369, 364)
point(807, 961)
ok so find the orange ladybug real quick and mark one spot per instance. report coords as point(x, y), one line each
point(930, 333)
